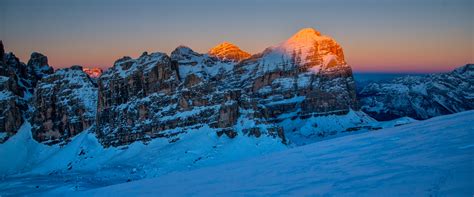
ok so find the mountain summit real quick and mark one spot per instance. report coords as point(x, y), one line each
point(306, 33)
point(228, 51)
point(308, 49)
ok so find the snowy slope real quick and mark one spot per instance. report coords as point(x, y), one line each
point(428, 158)
point(314, 129)
point(29, 167)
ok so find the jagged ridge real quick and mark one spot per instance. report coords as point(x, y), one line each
point(421, 97)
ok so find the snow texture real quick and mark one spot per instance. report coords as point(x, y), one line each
point(428, 158)
point(432, 157)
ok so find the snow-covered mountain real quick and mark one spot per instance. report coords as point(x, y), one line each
point(420, 97)
point(158, 114)
point(161, 96)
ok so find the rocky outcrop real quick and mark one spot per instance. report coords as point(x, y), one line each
point(228, 51)
point(420, 97)
point(17, 82)
point(228, 91)
point(65, 104)
point(38, 68)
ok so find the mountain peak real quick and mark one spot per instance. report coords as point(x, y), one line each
point(310, 48)
point(228, 51)
point(225, 43)
point(304, 36)
point(182, 49)
point(306, 32)
point(183, 52)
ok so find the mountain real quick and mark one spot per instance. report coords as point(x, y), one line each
point(160, 113)
point(299, 82)
point(228, 51)
point(161, 96)
point(289, 92)
point(294, 93)
point(420, 97)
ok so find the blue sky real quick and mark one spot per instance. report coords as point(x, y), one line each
point(383, 35)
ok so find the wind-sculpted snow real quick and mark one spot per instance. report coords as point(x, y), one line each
point(30, 167)
point(420, 97)
point(428, 158)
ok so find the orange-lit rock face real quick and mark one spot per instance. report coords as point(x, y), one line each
point(312, 50)
point(228, 51)
point(93, 72)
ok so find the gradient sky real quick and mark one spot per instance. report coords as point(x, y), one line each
point(377, 35)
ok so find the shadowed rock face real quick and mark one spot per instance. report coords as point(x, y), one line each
point(128, 93)
point(164, 96)
point(2, 52)
point(17, 83)
point(65, 104)
point(421, 97)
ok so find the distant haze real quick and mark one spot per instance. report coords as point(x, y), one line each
point(377, 35)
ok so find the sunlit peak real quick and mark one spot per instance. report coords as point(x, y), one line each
point(228, 51)
point(306, 32)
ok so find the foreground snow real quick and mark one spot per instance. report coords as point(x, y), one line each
point(433, 157)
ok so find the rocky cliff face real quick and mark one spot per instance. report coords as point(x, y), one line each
point(65, 104)
point(163, 96)
point(127, 94)
point(2, 52)
point(17, 82)
point(421, 97)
